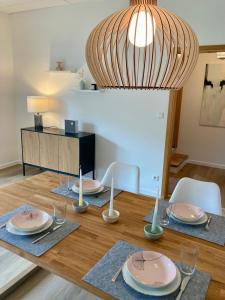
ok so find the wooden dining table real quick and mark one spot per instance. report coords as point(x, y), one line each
point(75, 255)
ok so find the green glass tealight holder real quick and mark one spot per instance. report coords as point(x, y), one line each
point(153, 235)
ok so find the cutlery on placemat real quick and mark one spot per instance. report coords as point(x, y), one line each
point(116, 275)
point(183, 286)
point(2, 226)
point(208, 223)
point(47, 233)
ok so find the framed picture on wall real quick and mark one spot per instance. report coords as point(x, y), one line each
point(213, 99)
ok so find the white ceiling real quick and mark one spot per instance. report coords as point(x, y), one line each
point(13, 6)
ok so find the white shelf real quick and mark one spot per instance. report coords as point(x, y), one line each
point(62, 72)
point(88, 91)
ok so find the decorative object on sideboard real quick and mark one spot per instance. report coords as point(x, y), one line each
point(142, 47)
point(60, 66)
point(94, 87)
point(37, 105)
point(71, 127)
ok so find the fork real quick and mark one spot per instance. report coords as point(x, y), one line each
point(116, 275)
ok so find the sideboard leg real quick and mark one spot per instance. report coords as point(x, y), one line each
point(24, 171)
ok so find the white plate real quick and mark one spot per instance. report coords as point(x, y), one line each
point(12, 230)
point(75, 190)
point(87, 183)
point(151, 269)
point(186, 212)
point(43, 218)
point(151, 291)
point(203, 220)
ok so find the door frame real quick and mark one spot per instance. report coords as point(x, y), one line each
point(171, 121)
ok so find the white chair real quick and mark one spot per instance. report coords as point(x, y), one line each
point(126, 177)
point(200, 193)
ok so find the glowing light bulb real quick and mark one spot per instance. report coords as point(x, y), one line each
point(141, 29)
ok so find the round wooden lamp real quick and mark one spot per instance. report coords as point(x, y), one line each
point(142, 47)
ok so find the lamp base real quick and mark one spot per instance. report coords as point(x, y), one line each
point(38, 122)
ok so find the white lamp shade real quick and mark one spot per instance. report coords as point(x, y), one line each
point(37, 104)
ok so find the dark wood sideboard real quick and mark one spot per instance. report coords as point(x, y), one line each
point(53, 149)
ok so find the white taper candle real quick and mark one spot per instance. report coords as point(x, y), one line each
point(111, 199)
point(154, 219)
point(81, 190)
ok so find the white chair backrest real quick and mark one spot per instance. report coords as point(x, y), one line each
point(200, 193)
point(126, 177)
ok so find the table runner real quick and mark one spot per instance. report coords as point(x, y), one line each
point(216, 233)
point(25, 242)
point(100, 276)
point(99, 200)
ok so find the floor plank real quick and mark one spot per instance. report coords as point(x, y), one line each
point(13, 267)
point(46, 286)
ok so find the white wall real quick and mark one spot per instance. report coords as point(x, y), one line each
point(204, 145)
point(8, 152)
point(126, 123)
point(206, 17)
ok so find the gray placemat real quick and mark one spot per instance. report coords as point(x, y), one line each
point(216, 233)
point(25, 242)
point(98, 200)
point(100, 276)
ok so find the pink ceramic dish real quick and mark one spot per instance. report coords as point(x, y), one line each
point(88, 185)
point(29, 220)
point(186, 212)
point(151, 269)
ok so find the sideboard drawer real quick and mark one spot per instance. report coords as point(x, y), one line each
point(31, 153)
point(69, 155)
point(49, 151)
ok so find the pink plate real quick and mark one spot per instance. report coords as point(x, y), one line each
point(151, 269)
point(29, 220)
point(88, 185)
point(186, 212)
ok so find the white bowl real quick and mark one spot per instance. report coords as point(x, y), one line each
point(29, 220)
point(89, 185)
point(151, 269)
point(186, 212)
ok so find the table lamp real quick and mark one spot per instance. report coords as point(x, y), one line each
point(37, 105)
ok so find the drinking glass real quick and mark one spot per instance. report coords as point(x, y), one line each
point(188, 259)
point(164, 218)
point(65, 181)
point(59, 211)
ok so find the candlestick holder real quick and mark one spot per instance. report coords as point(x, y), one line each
point(110, 219)
point(79, 209)
point(153, 235)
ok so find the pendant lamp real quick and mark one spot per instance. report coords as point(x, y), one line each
point(142, 47)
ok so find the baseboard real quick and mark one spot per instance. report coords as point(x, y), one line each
point(206, 164)
point(10, 164)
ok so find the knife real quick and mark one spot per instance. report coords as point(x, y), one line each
point(207, 223)
point(47, 233)
point(183, 286)
point(3, 225)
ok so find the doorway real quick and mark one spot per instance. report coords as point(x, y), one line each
point(186, 131)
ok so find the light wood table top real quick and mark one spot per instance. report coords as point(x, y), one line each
point(73, 257)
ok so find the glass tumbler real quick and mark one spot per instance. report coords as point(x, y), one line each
point(59, 211)
point(65, 182)
point(188, 259)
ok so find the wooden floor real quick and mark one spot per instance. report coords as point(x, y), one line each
point(200, 173)
point(15, 173)
point(46, 286)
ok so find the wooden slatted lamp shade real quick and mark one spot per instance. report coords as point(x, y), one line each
point(142, 47)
